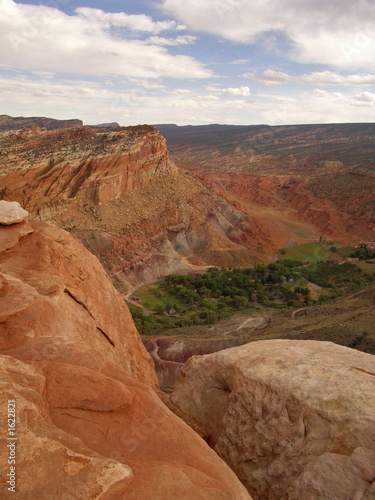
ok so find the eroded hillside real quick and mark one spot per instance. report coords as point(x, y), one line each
point(120, 194)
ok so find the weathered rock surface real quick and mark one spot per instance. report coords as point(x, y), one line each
point(80, 165)
point(293, 419)
point(53, 287)
point(11, 212)
point(89, 423)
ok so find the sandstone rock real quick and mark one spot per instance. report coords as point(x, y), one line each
point(293, 419)
point(90, 172)
point(89, 423)
point(54, 287)
point(46, 455)
point(11, 212)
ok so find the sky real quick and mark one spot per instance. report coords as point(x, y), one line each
point(187, 62)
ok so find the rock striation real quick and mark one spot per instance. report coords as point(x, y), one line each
point(82, 166)
point(89, 422)
point(293, 419)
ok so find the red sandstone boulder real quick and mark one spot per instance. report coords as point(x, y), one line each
point(88, 421)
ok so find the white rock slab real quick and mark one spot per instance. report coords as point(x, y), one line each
point(11, 212)
point(294, 419)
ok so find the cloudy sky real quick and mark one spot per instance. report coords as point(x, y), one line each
point(189, 61)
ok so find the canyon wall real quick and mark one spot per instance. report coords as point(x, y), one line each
point(82, 167)
point(118, 192)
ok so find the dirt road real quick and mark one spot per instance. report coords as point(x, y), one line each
point(128, 295)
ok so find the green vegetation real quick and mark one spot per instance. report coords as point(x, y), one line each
point(156, 300)
point(345, 252)
point(339, 279)
point(363, 253)
point(366, 267)
point(203, 299)
point(309, 252)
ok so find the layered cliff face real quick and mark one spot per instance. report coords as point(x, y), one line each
point(88, 421)
point(80, 166)
point(119, 193)
point(293, 419)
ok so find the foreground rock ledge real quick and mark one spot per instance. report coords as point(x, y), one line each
point(293, 419)
point(89, 424)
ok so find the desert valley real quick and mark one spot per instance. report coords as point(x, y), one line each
point(244, 257)
point(223, 196)
point(187, 250)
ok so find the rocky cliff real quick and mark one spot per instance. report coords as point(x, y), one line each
point(80, 166)
point(120, 194)
point(294, 419)
point(88, 422)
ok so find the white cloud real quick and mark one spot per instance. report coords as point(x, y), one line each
point(39, 38)
point(240, 61)
point(232, 91)
point(180, 40)
point(134, 22)
point(323, 94)
point(183, 92)
point(242, 91)
point(214, 87)
point(317, 106)
point(99, 103)
point(269, 77)
point(23, 96)
point(338, 33)
point(365, 98)
point(147, 85)
point(272, 77)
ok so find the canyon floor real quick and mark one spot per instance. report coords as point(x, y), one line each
point(347, 321)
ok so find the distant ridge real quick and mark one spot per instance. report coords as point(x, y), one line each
point(322, 175)
point(270, 138)
point(8, 123)
point(106, 125)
